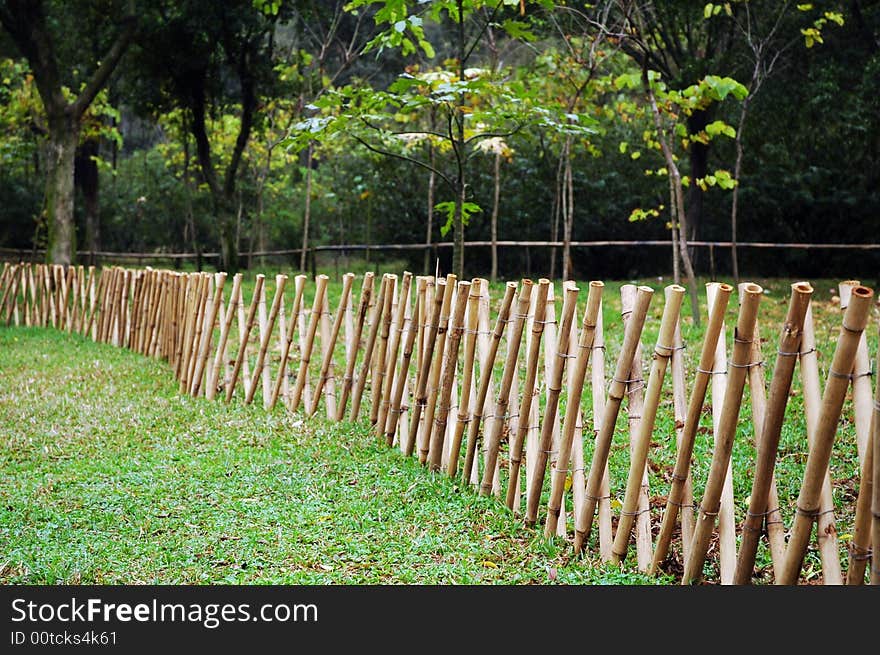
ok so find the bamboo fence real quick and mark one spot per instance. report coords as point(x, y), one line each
point(521, 410)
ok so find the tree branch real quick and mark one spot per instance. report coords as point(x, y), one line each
point(406, 158)
point(108, 65)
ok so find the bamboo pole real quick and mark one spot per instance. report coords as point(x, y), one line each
point(450, 360)
point(826, 532)
point(265, 338)
point(348, 378)
point(767, 443)
point(327, 360)
point(860, 546)
point(551, 354)
point(866, 422)
point(528, 393)
point(585, 345)
point(393, 418)
point(487, 364)
point(718, 471)
point(208, 333)
point(465, 409)
point(578, 467)
point(421, 395)
point(861, 379)
point(205, 282)
point(436, 366)
point(758, 395)
point(681, 472)
point(375, 324)
point(854, 321)
point(299, 283)
point(597, 378)
point(303, 373)
point(157, 315)
point(663, 350)
point(496, 427)
point(184, 322)
point(551, 409)
point(377, 383)
point(225, 328)
point(875, 492)
point(635, 399)
point(392, 351)
point(679, 404)
point(726, 511)
point(245, 335)
point(632, 335)
point(329, 385)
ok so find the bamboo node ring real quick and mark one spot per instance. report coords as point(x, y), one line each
point(847, 328)
point(565, 355)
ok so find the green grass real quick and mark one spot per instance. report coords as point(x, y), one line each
point(109, 476)
point(113, 477)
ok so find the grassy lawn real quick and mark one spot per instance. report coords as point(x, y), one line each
point(111, 477)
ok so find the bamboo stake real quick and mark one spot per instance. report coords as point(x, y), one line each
point(635, 395)
point(436, 366)
point(736, 374)
point(679, 404)
point(597, 378)
point(303, 373)
point(854, 321)
point(875, 493)
point(578, 467)
point(726, 516)
point(375, 324)
point(347, 280)
point(225, 328)
point(632, 335)
point(826, 532)
point(184, 324)
point(861, 379)
point(639, 456)
point(157, 315)
point(450, 360)
point(265, 337)
point(245, 335)
point(767, 443)
point(363, 307)
point(860, 546)
point(9, 297)
point(299, 283)
point(496, 427)
point(391, 354)
point(465, 410)
point(205, 282)
point(572, 408)
point(550, 355)
point(681, 472)
point(378, 378)
point(421, 395)
point(208, 333)
point(758, 395)
point(329, 392)
point(393, 418)
point(528, 394)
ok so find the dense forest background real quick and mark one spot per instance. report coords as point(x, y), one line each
point(255, 125)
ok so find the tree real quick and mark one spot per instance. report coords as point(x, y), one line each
point(37, 37)
point(469, 104)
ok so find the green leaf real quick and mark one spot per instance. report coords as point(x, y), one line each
point(717, 128)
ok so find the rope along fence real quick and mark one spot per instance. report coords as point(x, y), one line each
point(496, 394)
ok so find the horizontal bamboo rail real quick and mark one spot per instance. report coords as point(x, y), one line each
point(430, 370)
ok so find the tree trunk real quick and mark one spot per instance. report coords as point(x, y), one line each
point(87, 179)
point(60, 164)
point(495, 202)
point(699, 162)
point(458, 240)
point(567, 214)
point(737, 171)
point(307, 211)
point(432, 180)
point(557, 212)
point(673, 221)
